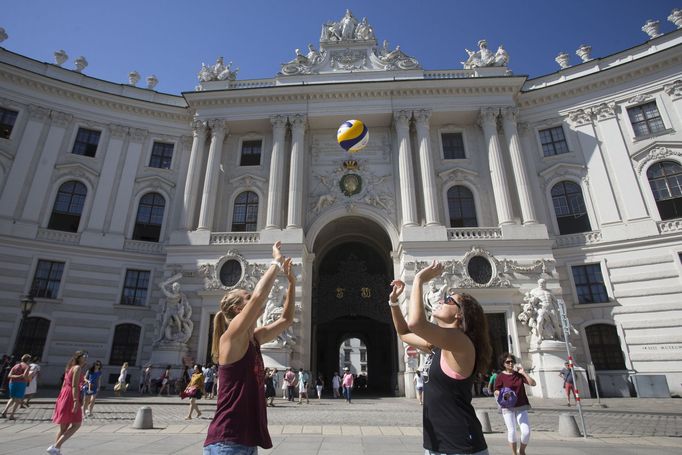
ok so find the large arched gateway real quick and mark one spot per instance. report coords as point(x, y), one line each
point(351, 276)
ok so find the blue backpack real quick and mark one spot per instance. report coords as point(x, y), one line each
point(506, 398)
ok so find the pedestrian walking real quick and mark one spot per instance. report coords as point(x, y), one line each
point(165, 381)
point(269, 387)
point(121, 385)
point(347, 383)
point(33, 375)
point(93, 382)
point(419, 386)
point(569, 384)
point(194, 391)
point(459, 347)
point(510, 392)
point(303, 378)
point(319, 385)
point(146, 380)
point(290, 380)
point(240, 423)
point(68, 412)
point(336, 384)
point(209, 380)
point(18, 380)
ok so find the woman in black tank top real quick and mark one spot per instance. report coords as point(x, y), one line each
point(459, 347)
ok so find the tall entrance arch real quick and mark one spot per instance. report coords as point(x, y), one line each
point(352, 272)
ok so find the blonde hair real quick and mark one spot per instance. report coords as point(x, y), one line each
point(222, 319)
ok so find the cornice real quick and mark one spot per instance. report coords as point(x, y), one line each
point(584, 85)
point(52, 87)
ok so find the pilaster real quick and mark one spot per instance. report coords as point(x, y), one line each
point(208, 198)
point(196, 157)
point(428, 176)
point(122, 206)
point(296, 171)
point(498, 177)
point(520, 172)
point(405, 169)
point(276, 184)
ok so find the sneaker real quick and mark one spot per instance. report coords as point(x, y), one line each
point(52, 450)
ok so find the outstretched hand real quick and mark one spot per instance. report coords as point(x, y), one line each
point(398, 288)
point(430, 272)
point(289, 270)
point(276, 253)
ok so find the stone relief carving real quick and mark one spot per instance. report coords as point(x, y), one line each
point(655, 154)
point(604, 111)
point(274, 309)
point(176, 317)
point(484, 57)
point(674, 90)
point(580, 117)
point(217, 72)
point(540, 312)
point(251, 273)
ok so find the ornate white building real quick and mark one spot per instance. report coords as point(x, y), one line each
point(111, 193)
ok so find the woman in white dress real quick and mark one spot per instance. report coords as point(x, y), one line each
point(32, 388)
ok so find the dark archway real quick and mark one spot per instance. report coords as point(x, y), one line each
point(350, 301)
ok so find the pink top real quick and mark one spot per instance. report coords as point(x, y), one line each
point(449, 371)
point(348, 380)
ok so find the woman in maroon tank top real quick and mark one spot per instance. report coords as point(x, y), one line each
point(240, 423)
point(459, 347)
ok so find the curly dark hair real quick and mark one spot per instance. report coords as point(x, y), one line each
point(505, 356)
point(475, 326)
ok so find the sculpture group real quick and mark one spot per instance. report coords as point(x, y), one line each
point(176, 317)
point(540, 312)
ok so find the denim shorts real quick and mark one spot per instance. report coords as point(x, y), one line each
point(428, 452)
point(224, 448)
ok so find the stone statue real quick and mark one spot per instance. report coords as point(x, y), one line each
point(324, 201)
point(217, 72)
point(364, 31)
point(273, 310)
point(433, 297)
point(485, 57)
point(313, 56)
point(347, 25)
point(540, 313)
point(176, 324)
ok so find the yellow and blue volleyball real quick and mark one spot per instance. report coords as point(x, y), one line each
point(352, 135)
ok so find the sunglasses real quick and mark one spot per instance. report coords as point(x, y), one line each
point(449, 300)
point(508, 361)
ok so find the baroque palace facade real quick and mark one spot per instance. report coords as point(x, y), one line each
point(125, 214)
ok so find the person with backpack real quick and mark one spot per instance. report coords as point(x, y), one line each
point(510, 393)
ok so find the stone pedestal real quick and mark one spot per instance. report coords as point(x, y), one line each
point(165, 354)
point(548, 360)
point(276, 356)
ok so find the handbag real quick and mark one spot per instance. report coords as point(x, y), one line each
point(506, 398)
point(117, 387)
point(190, 392)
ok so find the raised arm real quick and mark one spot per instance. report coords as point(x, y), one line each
point(399, 320)
point(269, 332)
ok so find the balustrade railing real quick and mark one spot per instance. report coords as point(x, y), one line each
point(578, 239)
point(51, 235)
point(667, 226)
point(477, 233)
point(234, 238)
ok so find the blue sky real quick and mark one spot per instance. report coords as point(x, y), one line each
point(172, 38)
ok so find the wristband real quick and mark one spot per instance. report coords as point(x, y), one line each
point(393, 303)
point(277, 263)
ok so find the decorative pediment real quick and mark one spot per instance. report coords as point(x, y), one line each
point(246, 278)
point(459, 174)
point(77, 170)
point(155, 182)
point(248, 181)
point(655, 152)
point(478, 268)
point(348, 45)
point(560, 170)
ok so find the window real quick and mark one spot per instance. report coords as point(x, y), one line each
point(363, 356)
point(7, 120)
point(346, 355)
point(453, 146)
point(569, 207)
point(135, 288)
point(124, 347)
point(86, 142)
point(553, 141)
point(589, 283)
point(68, 207)
point(665, 179)
point(461, 207)
point(32, 337)
point(149, 218)
point(162, 155)
point(245, 214)
point(646, 119)
point(604, 345)
point(480, 270)
point(251, 151)
point(231, 273)
point(47, 278)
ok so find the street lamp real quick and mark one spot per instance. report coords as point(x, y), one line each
point(27, 304)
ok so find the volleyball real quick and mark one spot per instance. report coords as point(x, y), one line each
point(352, 136)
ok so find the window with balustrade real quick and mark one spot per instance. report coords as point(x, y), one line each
point(461, 207)
point(665, 179)
point(569, 208)
point(149, 218)
point(68, 207)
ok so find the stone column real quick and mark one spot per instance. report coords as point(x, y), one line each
point(276, 185)
point(193, 173)
point(21, 165)
point(218, 131)
point(127, 182)
point(605, 204)
point(488, 121)
point(405, 169)
point(296, 171)
point(621, 164)
point(520, 172)
point(426, 165)
point(41, 177)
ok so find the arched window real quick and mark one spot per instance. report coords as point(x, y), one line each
point(245, 214)
point(149, 218)
point(68, 207)
point(32, 337)
point(461, 207)
point(124, 347)
point(604, 345)
point(665, 178)
point(569, 207)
